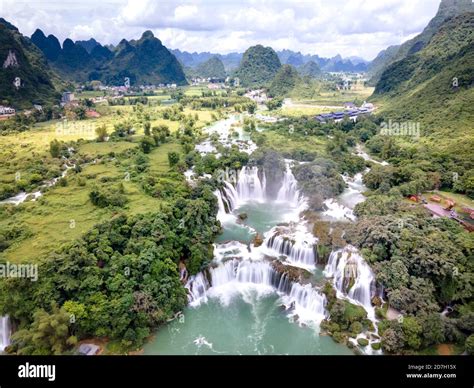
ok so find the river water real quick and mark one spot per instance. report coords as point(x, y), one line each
point(241, 304)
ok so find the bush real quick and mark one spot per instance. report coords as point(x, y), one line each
point(55, 148)
point(173, 158)
point(356, 327)
point(104, 197)
point(363, 341)
point(376, 345)
point(469, 344)
point(101, 133)
point(147, 144)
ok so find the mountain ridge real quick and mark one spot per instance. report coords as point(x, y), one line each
point(143, 61)
point(446, 10)
point(25, 76)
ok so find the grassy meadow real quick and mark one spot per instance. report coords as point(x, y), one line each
point(64, 213)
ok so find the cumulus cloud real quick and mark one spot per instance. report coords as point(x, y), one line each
point(323, 27)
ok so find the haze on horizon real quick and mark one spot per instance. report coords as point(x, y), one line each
point(350, 28)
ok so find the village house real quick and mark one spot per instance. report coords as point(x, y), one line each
point(6, 111)
point(67, 98)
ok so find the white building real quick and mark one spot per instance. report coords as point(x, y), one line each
point(6, 110)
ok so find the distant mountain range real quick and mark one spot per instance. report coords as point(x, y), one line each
point(287, 57)
point(193, 60)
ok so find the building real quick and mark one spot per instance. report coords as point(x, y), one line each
point(213, 86)
point(368, 106)
point(6, 111)
point(88, 349)
point(92, 114)
point(351, 112)
point(67, 97)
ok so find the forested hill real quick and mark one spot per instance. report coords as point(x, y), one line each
point(144, 61)
point(212, 68)
point(24, 62)
point(447, 9)
point(434, 85)
point(259, 65)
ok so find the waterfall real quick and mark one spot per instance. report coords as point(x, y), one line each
point(300, 253)
point(197, 287)
point(235, 272)
point(289, 189)
point(5, 332)
point(249, 185)
point(338, 211)
point(230, 196)
point(220, 202)
point(352, 277)
point(293, 241)
point(307, 303)
point(241, 276)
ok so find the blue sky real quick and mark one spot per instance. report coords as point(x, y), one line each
point(323, 27)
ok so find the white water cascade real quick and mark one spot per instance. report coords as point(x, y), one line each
point(5, 332)
point(352, 277)
point(294, 242)
point(236, 276)
point(249, 185)
point(307, 303)
point(289, 190)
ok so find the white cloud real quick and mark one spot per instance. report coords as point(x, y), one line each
point(324, 27)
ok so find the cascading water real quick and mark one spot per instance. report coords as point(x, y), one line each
point(294, 242)
point(289, 190)
point(231, 196)
point(352, 277)
point(244, 271)
point(237, 276)
point(338, 211)
point(5, 332)
point(249, 186)
point(307, 303)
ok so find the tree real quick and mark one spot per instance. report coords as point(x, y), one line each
point(160, 133)
point(469, 344)
point(251, 108)
point(411, 332)
point(146, 128)
point(48, 334)
point(122, 129)
point(101, 133)
point(173, 158)
point(77, 315)
point(433, 329)
point(392, 340)
point(55, 148)
point(274, 103)
point(147, 144)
